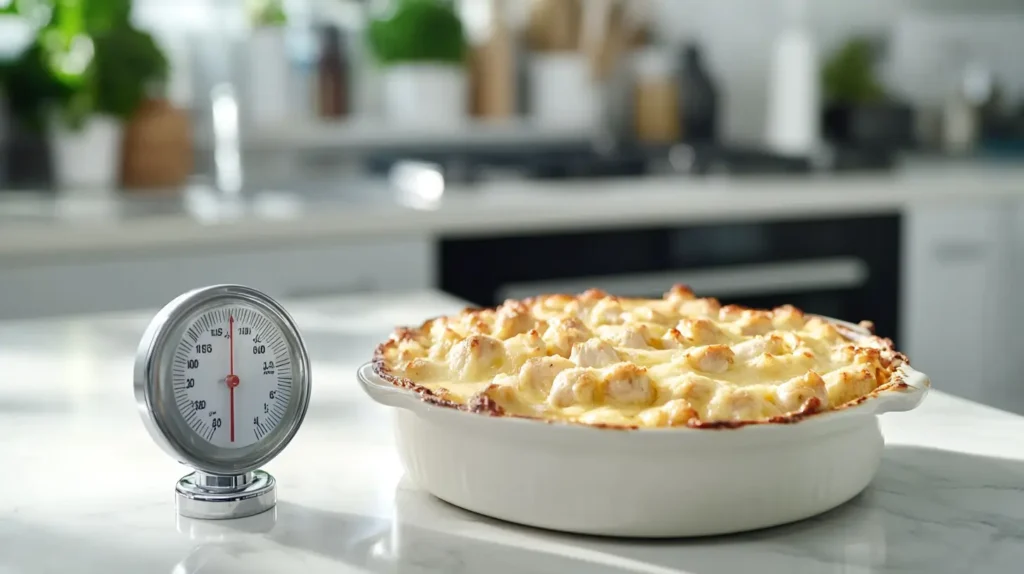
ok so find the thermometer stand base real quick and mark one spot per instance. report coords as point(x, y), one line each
point(215, 497)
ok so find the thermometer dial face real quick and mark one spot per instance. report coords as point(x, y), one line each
point(222, 379)
point(232, 376)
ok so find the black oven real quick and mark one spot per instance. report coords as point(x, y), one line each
point(845, 268)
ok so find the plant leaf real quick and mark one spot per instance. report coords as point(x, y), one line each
point(418, 31)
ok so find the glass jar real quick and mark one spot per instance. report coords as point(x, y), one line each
point(655, 97)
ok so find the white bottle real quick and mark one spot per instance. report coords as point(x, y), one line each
point(794, 91)
point(268, 77)
point(959, 125)
point(960, 109)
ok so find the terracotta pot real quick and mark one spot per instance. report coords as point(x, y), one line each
point(157, 147)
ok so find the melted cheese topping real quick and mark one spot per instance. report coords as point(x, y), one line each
point(675, 361)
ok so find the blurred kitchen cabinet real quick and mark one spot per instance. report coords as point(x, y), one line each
point(1012, 386)
point(147, 281)
point(956, 284)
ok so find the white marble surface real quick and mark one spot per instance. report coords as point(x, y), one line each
point(103, 222)
point(85, 490)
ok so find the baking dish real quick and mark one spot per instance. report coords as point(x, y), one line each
point(644, 482)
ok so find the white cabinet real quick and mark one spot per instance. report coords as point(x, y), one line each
point(956, 287)
point(91, 284)
point(1010, 391)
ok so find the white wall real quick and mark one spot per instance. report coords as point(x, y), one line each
point(737, 36)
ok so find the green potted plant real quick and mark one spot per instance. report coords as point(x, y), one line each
point(87, 72)
point(857, 110)
point(421, 49)
point(126, 65)
point(26, 85)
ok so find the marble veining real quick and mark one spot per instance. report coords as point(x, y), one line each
point(85, 490)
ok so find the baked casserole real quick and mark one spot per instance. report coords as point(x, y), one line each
point(602, 360)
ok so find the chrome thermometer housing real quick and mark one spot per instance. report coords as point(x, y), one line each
point(222, 384)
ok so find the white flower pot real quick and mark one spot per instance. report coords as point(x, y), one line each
point(89, 157)
point(562, 92)
point(422, 95)
point(268, 77)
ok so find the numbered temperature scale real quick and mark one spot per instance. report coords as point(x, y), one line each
point(222, 382)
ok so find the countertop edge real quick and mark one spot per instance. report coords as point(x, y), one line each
point(514, 208)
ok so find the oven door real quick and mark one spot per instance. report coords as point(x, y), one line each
point(824, 284)
point(843, 268)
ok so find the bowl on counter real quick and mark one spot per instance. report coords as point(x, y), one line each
point(647, 482)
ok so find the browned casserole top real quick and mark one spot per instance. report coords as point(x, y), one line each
point(602, 360)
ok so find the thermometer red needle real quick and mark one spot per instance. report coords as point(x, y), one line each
point(232, 378)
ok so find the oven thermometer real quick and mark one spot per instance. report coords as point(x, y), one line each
point(222, 383)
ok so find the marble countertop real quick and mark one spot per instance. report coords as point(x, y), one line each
point(419, 203)
point(86, 490)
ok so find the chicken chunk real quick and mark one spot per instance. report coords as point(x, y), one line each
point(697, 332)
point(562, 334)
point(593, 353)
point(848, 384)
point(800, 392)
point(757, 346)
point(627, 384)
point(512, 318)
point(538, 373)
point(575, 387)
point(710, 359)
point(476, 357)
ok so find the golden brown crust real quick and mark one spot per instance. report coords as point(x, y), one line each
point(873, 361)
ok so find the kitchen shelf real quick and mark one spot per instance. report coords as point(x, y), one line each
point(371, 135)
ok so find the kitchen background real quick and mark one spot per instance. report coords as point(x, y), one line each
point(858, 159)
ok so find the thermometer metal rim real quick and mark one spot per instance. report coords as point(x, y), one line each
point(151, 367)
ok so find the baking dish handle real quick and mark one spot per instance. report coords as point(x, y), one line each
point(904, 399)
point(383, 392)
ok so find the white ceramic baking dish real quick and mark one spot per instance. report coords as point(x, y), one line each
point(641, 482)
